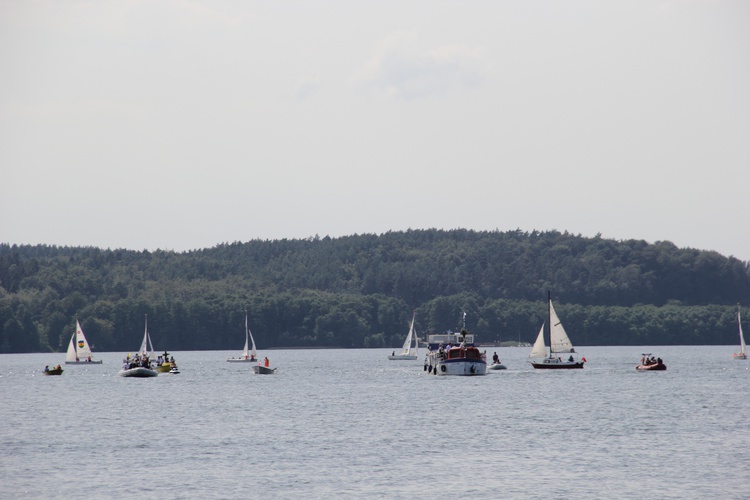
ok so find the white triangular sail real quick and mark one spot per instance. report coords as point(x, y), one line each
point(559, 341)
point(539, 350)
point(407, 349)
point(742, 337)
point(146, 346)
point(246, 350)
point(248, 333)
point(71, 354)
point(83, 349)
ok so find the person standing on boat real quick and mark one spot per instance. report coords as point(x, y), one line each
point(266, 362)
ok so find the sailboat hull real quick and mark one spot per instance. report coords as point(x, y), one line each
point(242, 360)
point(84, 362)
point(402, 356)
point(556, 364)
point(739, 355)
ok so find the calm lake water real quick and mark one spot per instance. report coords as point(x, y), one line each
point(352, 424)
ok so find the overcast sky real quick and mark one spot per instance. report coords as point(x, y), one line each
point(184, 124)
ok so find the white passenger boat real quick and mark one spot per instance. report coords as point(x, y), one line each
point(455, 354)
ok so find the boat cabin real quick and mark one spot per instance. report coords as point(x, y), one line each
point(470, 352)
point(451, 338)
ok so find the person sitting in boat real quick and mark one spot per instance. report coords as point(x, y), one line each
point(393, 353)
point(171, 360)
point(46, 368)
point(266, 362)
point(88, 359)
point(57, 367)
point(571, 359)
point(495, 358)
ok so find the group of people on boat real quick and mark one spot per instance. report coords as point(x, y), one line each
point(443, 349)
point(160, 360)
point(46, 368)
point(136, 361)
point(646, 361)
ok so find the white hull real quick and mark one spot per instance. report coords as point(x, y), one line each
point(402, 356)
point(466, 368)
point(441, 365)
point(497, 366)
point(138, 372)
point(739, 356)
point(83, 362)
point(242, 360)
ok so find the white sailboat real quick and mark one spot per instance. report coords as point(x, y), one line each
point(146, 346)
point(743, 349)
point(248, 356)
point(408, 351)
point(559, 344)
point(140, 365)
point(79, 351)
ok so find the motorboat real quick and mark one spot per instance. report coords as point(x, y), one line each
point(648, 363)
point(138, 371)
point(263, 370)
point(460, 359)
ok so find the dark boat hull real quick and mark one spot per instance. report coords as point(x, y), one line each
point(263, 370)
point(53, 372)
point(557, 366)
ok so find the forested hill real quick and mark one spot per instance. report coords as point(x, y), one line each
point(359, 291)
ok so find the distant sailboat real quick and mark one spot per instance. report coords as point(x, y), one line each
point(146, 346)
point(743, 349)
point(559, 344)
point(408, 351)
point(248, 356)
point(79, 351)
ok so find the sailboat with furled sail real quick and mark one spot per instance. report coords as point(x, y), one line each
point(743, 349)
point(561, 351)
point(79, 350)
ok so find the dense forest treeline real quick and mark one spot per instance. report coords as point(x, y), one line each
point(359, 291)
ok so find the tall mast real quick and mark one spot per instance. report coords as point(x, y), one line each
point(549, 320)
